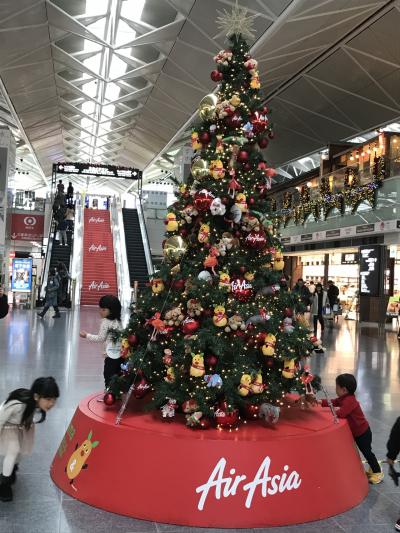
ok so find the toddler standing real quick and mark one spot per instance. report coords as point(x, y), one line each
point(350, 409)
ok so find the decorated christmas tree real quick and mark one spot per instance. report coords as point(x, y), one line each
point(217, 334)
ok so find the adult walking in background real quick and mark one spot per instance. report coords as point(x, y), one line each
point(51, 299)
point(69, 217)
point(62, 231)
point(70, 194)
point(63, 277)
point(319, 300)
point(303, 292)
point(332, 293)
point(3, 303)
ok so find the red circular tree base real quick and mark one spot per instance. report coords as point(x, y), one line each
point(305, 468)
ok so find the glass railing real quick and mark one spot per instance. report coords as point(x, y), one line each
point(120, 255)
point(77, 253)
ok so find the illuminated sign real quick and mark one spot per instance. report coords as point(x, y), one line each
point(21, 280)
point(370, 270)
point(90, 169)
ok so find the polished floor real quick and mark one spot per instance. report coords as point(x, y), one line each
point(30, 348)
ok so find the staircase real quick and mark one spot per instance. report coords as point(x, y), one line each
point(134, 248)
point(99, 275)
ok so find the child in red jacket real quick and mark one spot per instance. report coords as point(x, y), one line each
point(349, 408)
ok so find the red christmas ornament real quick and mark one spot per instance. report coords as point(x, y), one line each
point(269, 361)
point(202, 200)
point(241, 289)
point(234, 120)
point(204, 137)
point(109, 399)
point(179, 284)
point(211, 361)
point(247, 166)
point(270, 172)
point(141, 387)
point(132, 339)
point(263, 142)
point(288, 312)
point(243, 155)
point(262, 165)
point(216, 76)
point(255, 240)
point(190, 325)
point(242, 269)
point(226, 419)
point(265, 110)
point(251, 201)
point(251, 411)
point(204, 423)
point(259, 122)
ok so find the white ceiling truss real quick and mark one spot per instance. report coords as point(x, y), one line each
point(118, 81)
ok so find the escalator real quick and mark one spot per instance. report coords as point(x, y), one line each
point(137, 262)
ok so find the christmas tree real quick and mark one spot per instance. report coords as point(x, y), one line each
point(217, 333)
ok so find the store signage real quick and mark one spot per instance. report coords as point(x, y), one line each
point(365, 228)
point(21, 280)
point(27, 227)
point(370, 270)
point(332, 233)
point(90, 169)
point(349, 259)
point(285, 240)
point(306, 237)
point(221, 483)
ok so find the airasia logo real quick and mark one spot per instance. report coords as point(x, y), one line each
point(240, 285)
point(30, 221)
point(99, 248)
point(255, 238)
point(96, 220)
point(98, 286)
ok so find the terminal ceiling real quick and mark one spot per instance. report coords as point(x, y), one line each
point(119, 81)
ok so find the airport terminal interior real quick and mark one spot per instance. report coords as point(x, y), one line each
point(199, 266)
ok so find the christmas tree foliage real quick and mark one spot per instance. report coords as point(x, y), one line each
point(217, 333)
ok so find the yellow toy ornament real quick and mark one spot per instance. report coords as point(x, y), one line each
point(170, 377)
point(157, 285)
point(220, 319)
point(289, 368)
point(255, 82)
point(241, 202)
point(197, 368)
point(268, 347)
point(125, 348)
point(217, 170)
point(279, 263)
point(249, 276)
point(244, 387)
point(204, 233)
point(196, 144)
point(257, 385)
point(224, 281)
point(171, 222)
point(235, 100)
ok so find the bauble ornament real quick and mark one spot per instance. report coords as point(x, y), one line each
point(216, 76)
point(241, 289)
point(190, 326)
point(109, 399)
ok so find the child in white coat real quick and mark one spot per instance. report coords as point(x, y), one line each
point(17, 426)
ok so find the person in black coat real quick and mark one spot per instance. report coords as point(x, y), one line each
point(4, 307)
point(333, 293)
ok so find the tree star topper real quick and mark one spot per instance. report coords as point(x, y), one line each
point(237, 22)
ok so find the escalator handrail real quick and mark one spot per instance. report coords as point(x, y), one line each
point(145, 237)
point(50, 242)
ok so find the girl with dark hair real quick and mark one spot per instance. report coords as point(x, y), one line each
point(17, 415)
point(110, 312)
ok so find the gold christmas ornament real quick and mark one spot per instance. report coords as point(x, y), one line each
point(174, 249)
point(200, 169)
point(208, 106)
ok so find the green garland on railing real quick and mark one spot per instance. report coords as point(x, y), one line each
point(351, 196)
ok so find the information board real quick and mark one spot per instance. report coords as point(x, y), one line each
point(370, 270)
point(90, 169)
point(21, 280)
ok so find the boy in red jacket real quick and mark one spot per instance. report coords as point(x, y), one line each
point(349, 408)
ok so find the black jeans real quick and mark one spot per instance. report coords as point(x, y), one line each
point(321, 321)
point(112, 367)
point(47, 307)
point(364, 442)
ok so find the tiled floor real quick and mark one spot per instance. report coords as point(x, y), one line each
point(30, 347)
